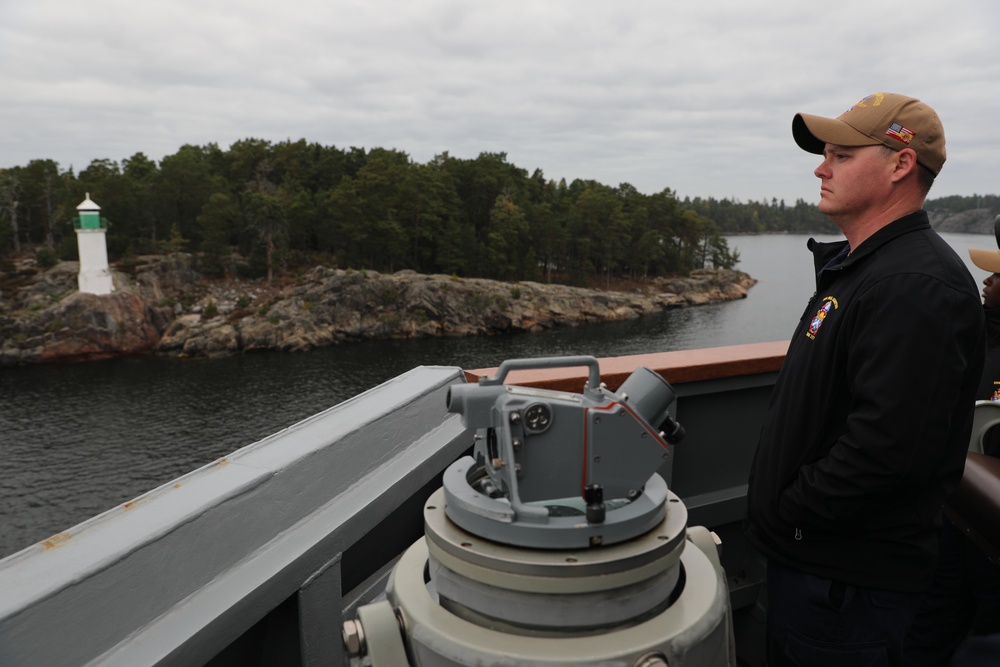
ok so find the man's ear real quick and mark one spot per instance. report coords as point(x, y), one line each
point(906, 163)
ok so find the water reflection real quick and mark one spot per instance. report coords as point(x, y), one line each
point(79, 439)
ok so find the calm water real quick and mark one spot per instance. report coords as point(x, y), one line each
point(76, 440)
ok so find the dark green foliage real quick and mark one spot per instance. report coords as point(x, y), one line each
point(733, 217)
point(67, 249)
point(128, 260)
point(956, 204)
point(175, 242)
point(287, 204)
point(256, 267)
point(220, 222)
point(46, 257)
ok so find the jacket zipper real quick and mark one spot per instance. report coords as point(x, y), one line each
point(798, 534)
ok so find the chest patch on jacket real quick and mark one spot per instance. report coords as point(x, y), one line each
point(829, 305)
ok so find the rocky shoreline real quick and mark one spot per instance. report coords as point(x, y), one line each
point(163, 305)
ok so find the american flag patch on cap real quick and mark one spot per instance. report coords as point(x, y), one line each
point(897, 131)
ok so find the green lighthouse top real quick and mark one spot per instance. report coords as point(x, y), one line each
point(90, 214)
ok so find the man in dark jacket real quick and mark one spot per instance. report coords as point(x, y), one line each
point(989, 261)
point(871, 414)
point(965, 598)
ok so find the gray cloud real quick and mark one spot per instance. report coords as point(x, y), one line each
point(696, 97)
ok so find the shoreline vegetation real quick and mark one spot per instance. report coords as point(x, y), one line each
point(452, 247)
point(164, 305)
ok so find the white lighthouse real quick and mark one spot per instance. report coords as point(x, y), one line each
point(95, 278)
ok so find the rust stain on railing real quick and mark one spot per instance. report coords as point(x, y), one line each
point(56, 540)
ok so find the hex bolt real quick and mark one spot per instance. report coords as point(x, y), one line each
point(516, 442)
point(515, 417)
point(354, 639)
point(497, 463)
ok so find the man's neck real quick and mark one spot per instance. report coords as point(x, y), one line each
point(858, 229)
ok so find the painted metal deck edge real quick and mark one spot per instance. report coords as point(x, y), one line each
point(93, 590)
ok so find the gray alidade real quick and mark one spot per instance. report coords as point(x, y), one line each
point(559, 470)
point(555, 542)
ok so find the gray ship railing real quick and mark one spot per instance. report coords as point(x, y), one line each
point(252, 559)
point(257, 558)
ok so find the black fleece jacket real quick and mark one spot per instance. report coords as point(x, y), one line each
point(989, 387)
point(870, 417)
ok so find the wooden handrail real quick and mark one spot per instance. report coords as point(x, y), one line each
point(676, 367)
point(975, 505)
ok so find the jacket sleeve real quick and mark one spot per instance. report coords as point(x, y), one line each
point(914, 358)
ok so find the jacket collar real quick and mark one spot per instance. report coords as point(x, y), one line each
point(824, 252)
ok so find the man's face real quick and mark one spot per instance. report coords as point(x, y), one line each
point(991, 291)
point(854, 180)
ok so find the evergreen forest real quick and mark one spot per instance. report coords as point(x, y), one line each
point(294, 204)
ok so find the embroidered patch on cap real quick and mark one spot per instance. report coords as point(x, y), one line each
point(875, 99)
point(897, 131)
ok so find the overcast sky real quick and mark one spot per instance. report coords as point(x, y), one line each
point(692, 95)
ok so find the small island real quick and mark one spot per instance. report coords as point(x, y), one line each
point(163, 305)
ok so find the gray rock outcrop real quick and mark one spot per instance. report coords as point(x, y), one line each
point(164, 306)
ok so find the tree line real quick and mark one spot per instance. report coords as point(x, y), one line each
point(294, 204)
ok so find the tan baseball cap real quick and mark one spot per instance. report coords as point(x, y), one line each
point(988, 260)
point(896, 121)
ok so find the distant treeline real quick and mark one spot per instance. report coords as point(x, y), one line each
point(955, 204)
point(293, 204)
